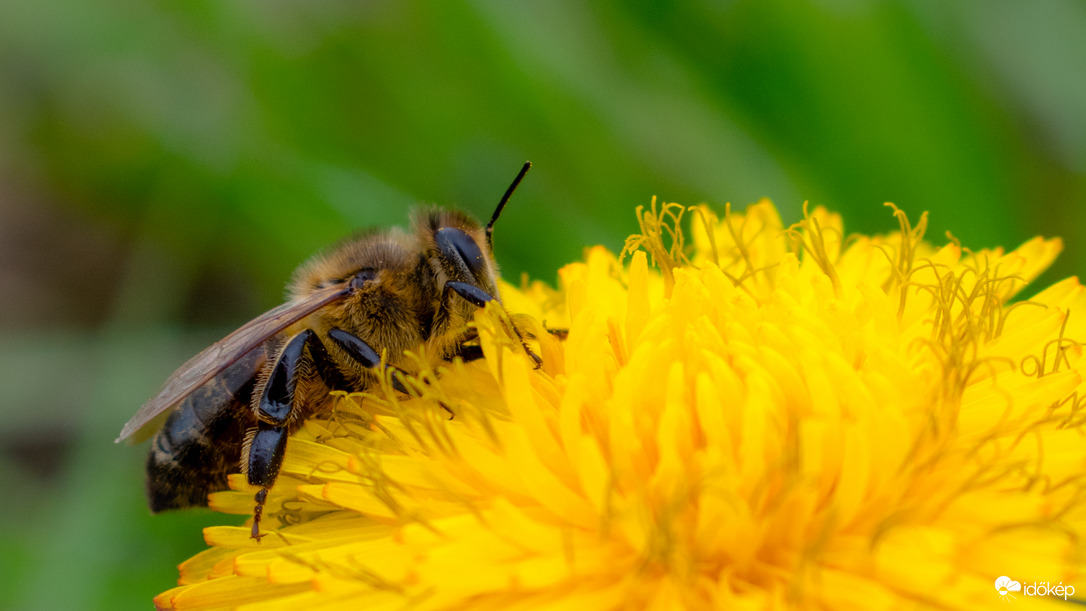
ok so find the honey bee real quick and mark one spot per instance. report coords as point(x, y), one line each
point(236, 403)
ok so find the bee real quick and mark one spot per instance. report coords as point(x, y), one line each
point(235, 404)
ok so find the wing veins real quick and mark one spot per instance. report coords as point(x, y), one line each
point(201, 368)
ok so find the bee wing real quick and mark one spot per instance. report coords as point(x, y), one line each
point(220, 355)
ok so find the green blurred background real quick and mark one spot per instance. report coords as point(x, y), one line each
point(164, 166)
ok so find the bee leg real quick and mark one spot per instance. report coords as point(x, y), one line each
point(470, 353)
point(265, 458)
point(366, 355)
point(260, 498)
point(277, 403)
point(561, 334)
point(472, 293)
point(362, 352)
point(479, 297)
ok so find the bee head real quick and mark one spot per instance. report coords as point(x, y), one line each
point(456, 249)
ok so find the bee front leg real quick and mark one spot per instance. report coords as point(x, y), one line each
point(362, 352)
point(268, 443)
point(475, 295)
point(479, 298)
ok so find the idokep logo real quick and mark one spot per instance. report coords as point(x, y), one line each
point(1005, 585)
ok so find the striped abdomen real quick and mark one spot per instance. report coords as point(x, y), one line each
point(201, 442)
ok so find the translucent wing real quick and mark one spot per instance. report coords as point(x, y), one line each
point(220, 355)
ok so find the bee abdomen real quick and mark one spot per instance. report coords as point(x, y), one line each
point(201, 441)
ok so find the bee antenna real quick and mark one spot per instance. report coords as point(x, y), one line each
point(501, 205)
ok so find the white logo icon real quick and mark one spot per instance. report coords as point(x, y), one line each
point(1005, 586)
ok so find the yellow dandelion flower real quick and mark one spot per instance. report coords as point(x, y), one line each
point(739, 415)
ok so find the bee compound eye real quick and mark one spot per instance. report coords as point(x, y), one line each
point(363, 277)
point(461, 250)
